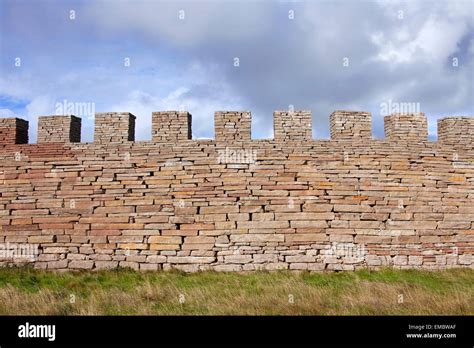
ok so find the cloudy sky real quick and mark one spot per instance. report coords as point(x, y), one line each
point(203, 56)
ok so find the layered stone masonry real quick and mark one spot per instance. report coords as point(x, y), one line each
point(114, 127)
point(59, 129)
point(231, 126)
point(409, 127)
point(13, 131)
point(171, 126)
point(349, 125)
point(234, 203)
point(456, 129)
point(292, 125)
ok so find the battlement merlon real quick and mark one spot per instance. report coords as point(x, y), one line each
point(114, 127)
point(292, 125)
point(456, 129)
point(406, 127)
point(232, 126)
point(171, 126)
point(13, 130)
point(350, 125)
point(56, 128)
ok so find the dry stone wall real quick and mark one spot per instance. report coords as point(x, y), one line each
point(237, 204)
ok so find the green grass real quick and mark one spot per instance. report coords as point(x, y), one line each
point(127, 292)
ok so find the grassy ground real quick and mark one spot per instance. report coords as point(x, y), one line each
point(126, 292)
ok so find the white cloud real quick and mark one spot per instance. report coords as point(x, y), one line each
point(434, 43)
point(8, 113)
point(137, 92)
point(40, 106)
point(421, 36)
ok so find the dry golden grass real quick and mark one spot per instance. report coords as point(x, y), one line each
point(125, 292)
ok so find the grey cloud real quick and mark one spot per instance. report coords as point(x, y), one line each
point(284, 62)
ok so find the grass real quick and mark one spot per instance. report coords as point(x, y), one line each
point(25, 291)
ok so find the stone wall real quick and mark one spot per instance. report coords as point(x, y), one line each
point(234, 203)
